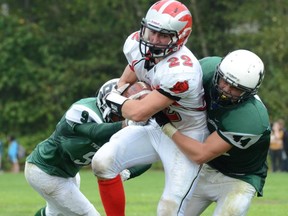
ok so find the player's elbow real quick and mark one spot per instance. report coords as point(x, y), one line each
point(200, 160)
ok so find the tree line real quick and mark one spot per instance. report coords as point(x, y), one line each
point(53, 53)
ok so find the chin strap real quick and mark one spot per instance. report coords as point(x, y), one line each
point(149, 63)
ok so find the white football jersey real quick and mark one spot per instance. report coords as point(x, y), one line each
point(179, 75)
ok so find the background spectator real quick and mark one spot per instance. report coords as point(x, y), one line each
point(276, 146)
point(1, 155)
point(12, 154)
point(285, 146)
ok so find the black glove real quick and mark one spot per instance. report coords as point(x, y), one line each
point(161, 118)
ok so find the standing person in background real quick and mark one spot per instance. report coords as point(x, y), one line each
point(158, 56)
point(1, 155)
point(276, 149)
point(52, 169)
point(285, 145)
point(13, 154)
point(236, 151)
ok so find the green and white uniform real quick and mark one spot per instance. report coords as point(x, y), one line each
point(66, 151)
point(52, 168)
point(232, 179)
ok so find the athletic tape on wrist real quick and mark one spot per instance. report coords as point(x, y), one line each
point(169, 130)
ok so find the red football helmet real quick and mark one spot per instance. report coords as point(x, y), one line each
point(167, 17)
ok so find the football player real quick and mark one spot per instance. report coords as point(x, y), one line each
point(236, 150)
point(158, 56)
point(52, 169)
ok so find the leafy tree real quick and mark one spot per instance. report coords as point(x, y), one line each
point(55, 52)
point(259, 26)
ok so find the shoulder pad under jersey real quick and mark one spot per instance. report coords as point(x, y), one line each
point(78, 113)
point(131, 47)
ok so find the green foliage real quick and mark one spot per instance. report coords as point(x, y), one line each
point(259, 26)
point(55, 52)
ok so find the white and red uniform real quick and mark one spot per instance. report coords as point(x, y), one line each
point(179, 75)
point(179, 67)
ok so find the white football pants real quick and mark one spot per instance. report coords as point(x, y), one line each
point(136, 145)
point(232, 196)
point(62, 195)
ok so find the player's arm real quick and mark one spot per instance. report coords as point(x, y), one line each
point(135, 171)
point(128, 76)
point(142, 110)
point(138, 170)
point(98, 133)
point(211, 148)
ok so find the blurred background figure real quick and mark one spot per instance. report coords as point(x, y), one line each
point(13, 154)
point(285, 145)
point(276, 150)
point(1, 156)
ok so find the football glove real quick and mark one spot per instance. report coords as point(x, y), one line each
point(164, 122)
point(114, 100)
point(125, 175)
point(161, 118)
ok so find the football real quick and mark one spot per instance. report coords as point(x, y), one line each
point(137, 91)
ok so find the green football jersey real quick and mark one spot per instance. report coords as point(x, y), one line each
point(67, 149)
point(245, 126)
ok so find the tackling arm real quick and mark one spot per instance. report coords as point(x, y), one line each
point(211, 148)
point(138, 110)
point(138, 170)
point(142, 110)
point(199, 152)
point(128, 76)
point(98, 133)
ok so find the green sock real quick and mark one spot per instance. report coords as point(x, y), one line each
point(40, 212)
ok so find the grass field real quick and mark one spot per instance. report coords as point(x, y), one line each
point(17, 198)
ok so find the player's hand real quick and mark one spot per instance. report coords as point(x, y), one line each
point(164, 122)
point(114, 100)
point(120, 90)
point(125, 175)
point(129, 122)
point(161, 118)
